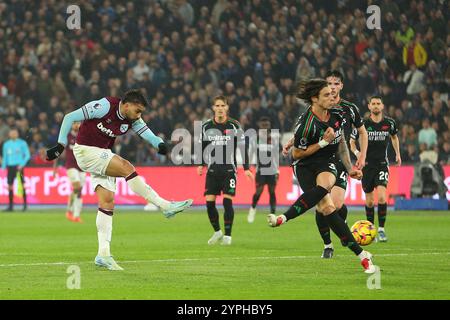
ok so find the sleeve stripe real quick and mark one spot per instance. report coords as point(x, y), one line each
point(141, 132)
point(308, 125)
point(85, 113)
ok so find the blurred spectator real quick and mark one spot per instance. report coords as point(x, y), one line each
point(427, 135)
point(414, 80)
point(414, 53)
point(405, 34)
point(444, 154)
point(182, 52)
point(410, 155)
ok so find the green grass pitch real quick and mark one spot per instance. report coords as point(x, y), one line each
point(170, 259)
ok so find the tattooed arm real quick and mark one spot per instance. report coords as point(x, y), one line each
point(345, 159)
point(344, 155)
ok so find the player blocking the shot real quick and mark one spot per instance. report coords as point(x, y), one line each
point(102, 121)
point(76, 176)
point(376, 171)
point(220, 137)
point(319, 142)
point(352, 119)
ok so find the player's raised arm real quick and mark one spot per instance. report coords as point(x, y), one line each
point(91, 110)
point(143, 131)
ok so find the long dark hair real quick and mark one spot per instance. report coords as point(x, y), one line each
point(310, 88)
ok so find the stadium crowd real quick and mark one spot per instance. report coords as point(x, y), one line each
point(182, 53)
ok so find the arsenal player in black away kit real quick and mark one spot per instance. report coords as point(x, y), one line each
point(376, 171)
point(220, 138)
point(318, 140)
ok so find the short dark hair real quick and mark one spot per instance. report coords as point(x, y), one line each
point(220, 97)
point(335, 73)
point(375, 97)
point(135, 96)
point(310, 88)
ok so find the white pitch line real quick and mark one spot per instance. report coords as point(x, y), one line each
point(210, 259)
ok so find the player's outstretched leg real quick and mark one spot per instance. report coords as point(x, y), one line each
point(169, 209)
point(306, 201)
point(343, 212)
point(341, 229)
point(104, 233)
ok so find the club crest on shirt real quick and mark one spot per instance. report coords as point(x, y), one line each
point(123, 128)
point(303, 142)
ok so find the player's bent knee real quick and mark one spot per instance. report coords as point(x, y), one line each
point(338, 203)
point(107, 204)
point(327, 186)
point(326, 209)
point(77, 191)
point(127, 167)
point(370, 204)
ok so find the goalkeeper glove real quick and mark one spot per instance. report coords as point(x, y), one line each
point(162, 148)
point(55, 152)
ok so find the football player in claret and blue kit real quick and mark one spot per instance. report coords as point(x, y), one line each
point(102, 121)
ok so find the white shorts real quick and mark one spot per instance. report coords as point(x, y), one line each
point(76, 176)
point(95, 161)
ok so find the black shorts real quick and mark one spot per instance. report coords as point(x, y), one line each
point(262, 180)
point(220, 181)
point(12, 173)
point(342, 176)
point(374, 176)
point(307, 174)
